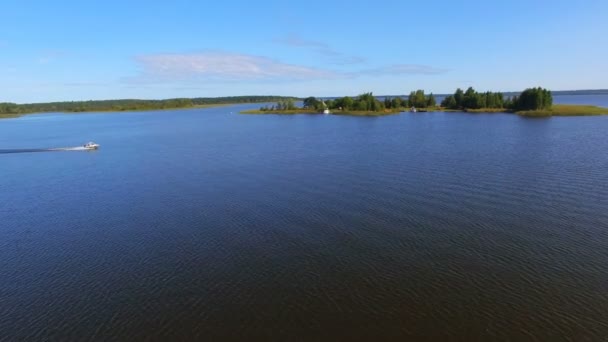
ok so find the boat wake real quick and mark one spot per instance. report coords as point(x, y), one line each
point(30, 150)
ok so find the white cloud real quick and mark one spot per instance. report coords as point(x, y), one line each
point(224, 66)
point(229, 67)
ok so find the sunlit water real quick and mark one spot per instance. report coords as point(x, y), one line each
point(212, 225)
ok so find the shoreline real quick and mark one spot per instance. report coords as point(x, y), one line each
point(556, 110)
point(109, 111)
point(312, 112)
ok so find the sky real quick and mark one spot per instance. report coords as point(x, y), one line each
point(89, 50)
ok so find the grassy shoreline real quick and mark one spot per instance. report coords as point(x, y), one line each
point(556, 110)
point(313, 112)
point(566, 110)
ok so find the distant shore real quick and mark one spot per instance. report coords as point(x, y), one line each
point(110, 111)
point(11, 110)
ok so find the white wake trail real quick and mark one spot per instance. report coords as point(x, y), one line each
point(27, 150)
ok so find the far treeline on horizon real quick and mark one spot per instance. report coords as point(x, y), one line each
point(531, 102)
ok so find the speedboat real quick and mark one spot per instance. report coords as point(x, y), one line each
point(91, 146)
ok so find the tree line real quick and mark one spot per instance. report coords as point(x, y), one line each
point(365, 102)
point(281, 105)
point(530, 99)
point(128, 104)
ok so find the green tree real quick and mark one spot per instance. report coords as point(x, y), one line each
point(420, 99)
point(498, 100)
point(449, 102)
point(289, 105)
point(459, 97)
point(347, 102)
point(388, 102)
point(310, 102)
point(417, 99)
point(430, 101)
point(396, 103)
point(411, 99)
point(361, 105)
point(470, 99)
point(533, 99)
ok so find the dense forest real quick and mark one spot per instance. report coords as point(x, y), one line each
point(127, 105)
point(530, 99)
point(363, 103)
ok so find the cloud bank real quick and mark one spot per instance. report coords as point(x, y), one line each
point(223, 66)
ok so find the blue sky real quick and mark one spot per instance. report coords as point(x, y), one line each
point(80, 50)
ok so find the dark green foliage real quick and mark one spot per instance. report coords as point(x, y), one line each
point(393, 103)
point(344, 103)
point(285, 105)
point(363, 102)
point(360, 105)
point(311, 102)
point(449, 102)
point(388, 102)
point(529, 99)
point(508, 103)
point(396, 103)
point(9, 108)
point(367, 102)
point(430, 101)
point(417, 99)
point(473, 100)
point(458, 97)
point(347, 102)
point(534, 99)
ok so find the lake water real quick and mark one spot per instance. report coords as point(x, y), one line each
point(212, 225)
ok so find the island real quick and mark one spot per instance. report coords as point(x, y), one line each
point(363, 105)
point(532, 102)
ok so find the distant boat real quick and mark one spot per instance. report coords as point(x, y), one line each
point(413, 110)
point(326, 111)
point(91, 146)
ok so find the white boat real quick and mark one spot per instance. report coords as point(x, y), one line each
point(91, 146)
point(326, 111)
point(413, 110)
